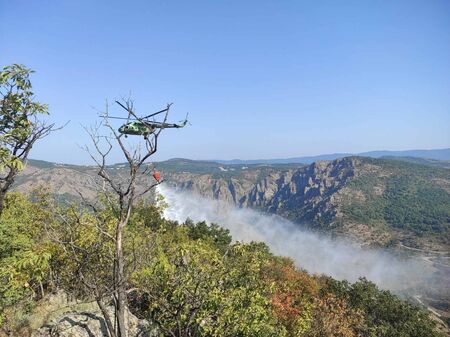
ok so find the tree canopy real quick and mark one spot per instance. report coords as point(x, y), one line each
point(188, 278)
point(21, 124)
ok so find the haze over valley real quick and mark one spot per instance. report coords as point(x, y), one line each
point(358, 197)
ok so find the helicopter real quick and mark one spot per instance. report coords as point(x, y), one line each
point(143, 126)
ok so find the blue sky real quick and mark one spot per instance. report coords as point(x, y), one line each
point(260, 79)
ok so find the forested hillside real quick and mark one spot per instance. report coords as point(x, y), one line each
point(406, 198)
point(183, 279)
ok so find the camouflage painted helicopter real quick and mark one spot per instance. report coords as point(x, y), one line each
point(143, 126)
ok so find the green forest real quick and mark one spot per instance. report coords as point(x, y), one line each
point(411, 199)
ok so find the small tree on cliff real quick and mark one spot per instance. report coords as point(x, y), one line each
point(20, 123)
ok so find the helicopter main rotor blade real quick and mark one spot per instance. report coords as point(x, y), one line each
point(156, 113)
point(123, 106)
point(133, 119)
point(151, 115)
point(145, 121)
point(130, 112)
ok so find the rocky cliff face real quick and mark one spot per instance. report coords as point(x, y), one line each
point(302, 194)
point(372, 201)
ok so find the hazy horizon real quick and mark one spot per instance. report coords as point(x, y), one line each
point(252, 159)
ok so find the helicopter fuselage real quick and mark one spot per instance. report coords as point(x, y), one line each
point(139, 128)
point(144, 126)
point(136, 128)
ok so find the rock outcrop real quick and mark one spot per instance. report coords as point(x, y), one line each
point(91, 324)
point(302, 194)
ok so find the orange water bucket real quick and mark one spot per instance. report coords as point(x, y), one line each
point(157, 176)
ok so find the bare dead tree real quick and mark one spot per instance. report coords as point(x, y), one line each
point(121, 194)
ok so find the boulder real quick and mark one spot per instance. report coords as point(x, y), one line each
point(91, 324)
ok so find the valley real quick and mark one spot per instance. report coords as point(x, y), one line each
point(375, 202)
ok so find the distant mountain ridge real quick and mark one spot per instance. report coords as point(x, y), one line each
point(435, 154)
point(373, 200)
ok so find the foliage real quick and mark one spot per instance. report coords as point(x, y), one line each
point(149, 215)
point(217, 235)
point(20, 125)
point(293, 296)
point(194, 289)
point(334, 317)
point(24, 255)
point(18, 112)
point(188, 278)
point(406, 196)
point(83, 253)
point(384, 314)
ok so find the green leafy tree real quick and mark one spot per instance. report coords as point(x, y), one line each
point(20, 123)
point(385, 315)
point(217, 235)
point(193, 289)
point(25, 256)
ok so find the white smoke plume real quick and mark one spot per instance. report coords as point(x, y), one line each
point(310, 251)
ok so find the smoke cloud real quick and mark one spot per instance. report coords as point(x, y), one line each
point(310, 251)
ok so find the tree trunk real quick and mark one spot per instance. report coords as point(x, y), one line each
point(121, 291)
point(2, 201)
point(41, 287)
point(6, 185)
point(105, 313)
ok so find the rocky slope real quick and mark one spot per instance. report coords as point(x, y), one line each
point(374, 201)
point(302, 193)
